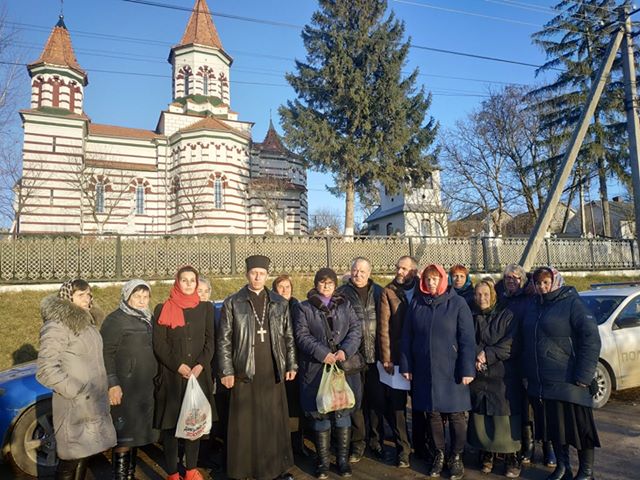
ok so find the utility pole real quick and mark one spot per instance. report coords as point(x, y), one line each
point(630, 105)
point(546, 215)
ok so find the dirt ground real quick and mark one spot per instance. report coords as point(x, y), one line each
point(618, 459)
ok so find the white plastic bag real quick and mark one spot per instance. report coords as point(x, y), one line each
point(195, 412)
point(334, 392)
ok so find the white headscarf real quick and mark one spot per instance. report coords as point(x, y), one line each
point(127, 290)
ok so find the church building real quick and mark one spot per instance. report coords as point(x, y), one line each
point(197, 172)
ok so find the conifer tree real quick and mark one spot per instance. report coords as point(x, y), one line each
point(356, 115)
point(575, 42)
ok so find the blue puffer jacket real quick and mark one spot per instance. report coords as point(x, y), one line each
point(310, 323)
point(561, 347)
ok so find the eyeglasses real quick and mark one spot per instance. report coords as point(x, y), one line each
point(512, 278)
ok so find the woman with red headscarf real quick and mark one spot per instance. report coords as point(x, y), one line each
point(183, 341)
point(438, 355)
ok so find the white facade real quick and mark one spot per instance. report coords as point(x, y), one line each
point(414, 212)
point(197, 172)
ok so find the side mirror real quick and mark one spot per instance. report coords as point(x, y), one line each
point(628, 321)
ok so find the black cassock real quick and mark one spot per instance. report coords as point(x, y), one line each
point(258, 437)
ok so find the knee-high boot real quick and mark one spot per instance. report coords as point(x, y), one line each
point(343, 436)
point(133, 461)
point(322, 440)
point(549, 455)
point(120, 462)
point(72, 469)
point(563, 467)
point(586, 457)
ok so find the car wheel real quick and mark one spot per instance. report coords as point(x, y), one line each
point(32, 447)
point(604, 386)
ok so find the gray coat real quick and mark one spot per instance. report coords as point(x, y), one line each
point(70, 363)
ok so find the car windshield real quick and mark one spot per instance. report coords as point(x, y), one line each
point(602, 305)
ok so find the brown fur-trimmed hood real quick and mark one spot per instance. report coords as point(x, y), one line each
point(55, 309)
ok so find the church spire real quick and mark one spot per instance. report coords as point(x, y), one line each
point(200, 29)
point(58, 51)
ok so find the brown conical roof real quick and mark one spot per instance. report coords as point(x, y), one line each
point(272, 141)
point(200, 29)
point(58, 49)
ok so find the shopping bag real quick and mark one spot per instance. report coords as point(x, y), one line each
point(195, 412)
point(334, 393)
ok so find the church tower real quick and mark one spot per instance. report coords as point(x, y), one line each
point(57, 81)
point(200, 65)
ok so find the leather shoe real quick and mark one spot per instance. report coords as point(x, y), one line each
point(285, 476)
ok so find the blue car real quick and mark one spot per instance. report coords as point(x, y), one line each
point(26, 420)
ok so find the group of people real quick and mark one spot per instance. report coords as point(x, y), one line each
point(497, 364)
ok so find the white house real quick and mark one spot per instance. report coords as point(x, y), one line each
point(198, 171)
point(416, 212)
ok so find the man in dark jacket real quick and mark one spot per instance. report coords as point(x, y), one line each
point(364, 296)
point(394, 302)
point(256, 355)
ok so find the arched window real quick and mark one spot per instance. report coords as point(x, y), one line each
point(99, 197)
point(389, 228)
point(140, 200)
point(205, 84)
point(218, 194)
point(425, 228)
point(187, 83)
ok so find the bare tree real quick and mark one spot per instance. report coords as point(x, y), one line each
point(325, 221)
point(186, 191)
point(17, 192)
point(268, 191)
point(103, 191)
point(475, 176)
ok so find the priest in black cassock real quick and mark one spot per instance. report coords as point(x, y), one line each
point(256, 355)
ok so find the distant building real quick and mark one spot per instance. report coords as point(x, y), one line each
point(419, 212)
point(198, 171)
point(523, 223)
point(622, 216)
point(484, 223)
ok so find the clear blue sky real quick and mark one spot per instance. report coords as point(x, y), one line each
point(119, 36)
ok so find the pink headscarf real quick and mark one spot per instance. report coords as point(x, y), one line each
point(557, 280)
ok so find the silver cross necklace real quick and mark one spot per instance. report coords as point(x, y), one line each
point(261, 331)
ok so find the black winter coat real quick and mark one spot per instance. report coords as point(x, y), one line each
point(192, 344)
point(236, 335)
point(131, 364)
point(497, 390)
point(310, 323)
point(561, 347)
point(368, 316)
point(518, 303)
point(438, 348)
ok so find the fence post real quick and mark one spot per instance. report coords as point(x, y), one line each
point(411, 246)
point(548, 250)
point(232, 253)
point(633, 252)
point(592, 253)
point(485, 254)
point(118, 257)
point(329, 253)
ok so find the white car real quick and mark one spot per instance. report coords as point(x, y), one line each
point(616, 307)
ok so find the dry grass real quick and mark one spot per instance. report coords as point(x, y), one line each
point(21, 316)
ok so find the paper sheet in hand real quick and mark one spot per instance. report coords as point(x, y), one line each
point(395, 381)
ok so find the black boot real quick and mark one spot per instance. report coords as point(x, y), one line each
point(550, 459)
point(81, 469)
point(343, 437)
point(563, 468)
point(323, 440)
point(528, 445)
point(133, 460)
point(456, 467)
point(512, 469)
point(66, 469)
point(437, 465)
point(120, 463)
point(585, 471)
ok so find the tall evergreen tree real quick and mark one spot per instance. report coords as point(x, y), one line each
point(575, 42)
point(356, 115)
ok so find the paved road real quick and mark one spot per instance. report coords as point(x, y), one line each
point(618, 459)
